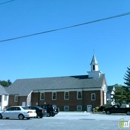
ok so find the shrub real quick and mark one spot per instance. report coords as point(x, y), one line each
point(101, 108)
point(96, 109)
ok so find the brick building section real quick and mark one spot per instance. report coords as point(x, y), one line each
point(11, 101)
point(20, 100)
point(72, 102)
point(35, 99)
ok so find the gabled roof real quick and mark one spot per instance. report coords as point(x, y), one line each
point(3, 91)
point(24, 86)
point(110, 89)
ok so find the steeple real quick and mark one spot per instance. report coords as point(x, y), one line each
point(94, 64)
point(94, 73)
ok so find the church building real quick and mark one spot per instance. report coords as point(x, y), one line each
point(69, 93)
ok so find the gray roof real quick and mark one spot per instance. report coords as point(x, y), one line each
point(24, 86)
point(3, 91)
point(109, 89)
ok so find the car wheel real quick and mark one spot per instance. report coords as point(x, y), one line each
point(53, 115)
point(36, 116)
point(108, 112)
point(128, 112)
point(48, 114)
point(1, 116)
point(21, 117)
point(41, 116)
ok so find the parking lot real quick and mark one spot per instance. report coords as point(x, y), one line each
point(67, 121)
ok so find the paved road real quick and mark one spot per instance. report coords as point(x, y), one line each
point(66, 121)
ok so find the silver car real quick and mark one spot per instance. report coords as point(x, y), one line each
point(19, 112)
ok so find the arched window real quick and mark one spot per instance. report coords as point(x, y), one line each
point(93, 67)
point(66, 95)
point(54, 96)
point(42, 96)
point(93, 96)
point(16, 98)
point(79, 95)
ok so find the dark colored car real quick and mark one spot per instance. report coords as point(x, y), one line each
point(39, 110)
point(52, 110)
point(117, 109)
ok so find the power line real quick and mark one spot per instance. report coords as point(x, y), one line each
point(7, 2)
point(67, 27)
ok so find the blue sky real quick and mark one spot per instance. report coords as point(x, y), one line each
point(65, 52)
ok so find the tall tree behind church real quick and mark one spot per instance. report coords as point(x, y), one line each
point(127, 77)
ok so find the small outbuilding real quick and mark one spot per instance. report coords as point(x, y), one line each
point(4, 96)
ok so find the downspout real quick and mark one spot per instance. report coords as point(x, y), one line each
point(38, 97)
point(83, 101)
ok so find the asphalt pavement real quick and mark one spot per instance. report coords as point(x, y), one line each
point(67, 121)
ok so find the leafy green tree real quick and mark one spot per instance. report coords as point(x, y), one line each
point(127, 77)
point(121, 94)
point(5, 83)
point(127, 96)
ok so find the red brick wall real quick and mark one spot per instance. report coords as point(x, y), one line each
point(35, 98)
point(11, 101)
point(72, 102)
point(87, 99)
point(20, 100)
point(60, 102)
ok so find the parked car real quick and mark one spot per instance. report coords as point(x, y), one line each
point(117, 109)
point(19, 112)
point(52, 110)
point(39, 110)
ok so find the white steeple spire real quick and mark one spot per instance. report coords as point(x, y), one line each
point(94, 64)
point(94, 73)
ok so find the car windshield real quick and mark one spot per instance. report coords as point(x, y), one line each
point(25, 108)
point(39, 107)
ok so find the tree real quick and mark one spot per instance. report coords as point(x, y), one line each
point(121, 94)
point(127, 77)
point(5, 83)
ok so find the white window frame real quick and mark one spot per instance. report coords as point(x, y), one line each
point(41, 96)
point(16, 98)
point(65, 96)
point(92, 96)
point(79, 108)
point(5, 97)
point(66, 108)
point(78, 95)
point(53, 96)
